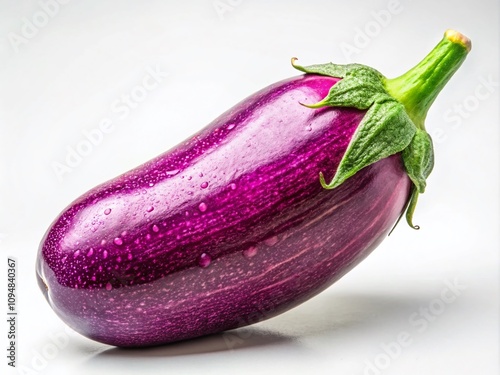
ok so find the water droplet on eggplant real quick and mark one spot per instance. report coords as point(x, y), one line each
point(204, 260)
point(271, 241)
point(250, 252)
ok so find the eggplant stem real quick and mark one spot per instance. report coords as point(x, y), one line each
point(408, 210)
point(411, 208)
point(418, 87)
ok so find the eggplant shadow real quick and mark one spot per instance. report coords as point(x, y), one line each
point(326, 315)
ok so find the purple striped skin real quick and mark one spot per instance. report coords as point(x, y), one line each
point(229, 228)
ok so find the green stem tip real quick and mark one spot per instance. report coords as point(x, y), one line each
point(418, 88)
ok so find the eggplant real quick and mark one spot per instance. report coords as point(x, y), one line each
point(238, 223)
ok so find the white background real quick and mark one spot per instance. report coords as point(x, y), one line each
point(63, 77)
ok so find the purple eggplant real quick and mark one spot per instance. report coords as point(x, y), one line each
point(239, 223)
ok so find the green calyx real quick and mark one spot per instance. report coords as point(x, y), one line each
point(395, 112)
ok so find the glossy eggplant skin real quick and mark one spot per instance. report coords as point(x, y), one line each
point(228, 228)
